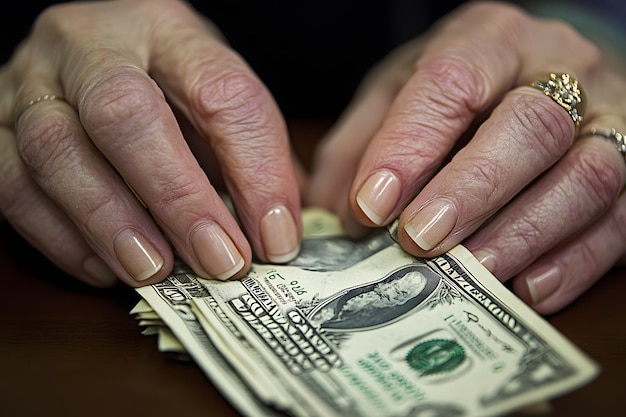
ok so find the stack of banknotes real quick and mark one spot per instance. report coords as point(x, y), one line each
point(361, 328)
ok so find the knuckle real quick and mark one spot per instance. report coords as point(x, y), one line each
point(407, 154)
point(530, 237)
point(48, 145)
point(547, 127)
point(255, 168)
point(121, 94)
point(178, 190)
point(97, 211)
point(253, 183)
point(481, 181)
point(231, 93)
point(595, 173)
point(236, 101)
point(454, 87)
point(266, 182)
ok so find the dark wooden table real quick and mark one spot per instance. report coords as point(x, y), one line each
point(69, 350)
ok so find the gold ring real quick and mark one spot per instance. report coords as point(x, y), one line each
point(31, 103)
point(566, 92)
point(612, 136)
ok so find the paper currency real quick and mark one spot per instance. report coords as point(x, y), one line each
point(364, 329)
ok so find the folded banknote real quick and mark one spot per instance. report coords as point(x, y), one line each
point(361, 328)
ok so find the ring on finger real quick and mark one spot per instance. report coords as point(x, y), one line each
point(612, 136)
point(36, 100)
point(566, 92)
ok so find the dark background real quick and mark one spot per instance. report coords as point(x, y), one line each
point(312, 54)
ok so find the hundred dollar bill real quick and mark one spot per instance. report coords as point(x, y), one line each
point(361, 328)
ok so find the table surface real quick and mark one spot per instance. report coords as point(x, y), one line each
point(70, 350)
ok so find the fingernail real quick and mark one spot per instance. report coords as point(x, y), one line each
point(487, 258)
point(99, 271)
point(379, 195)
point(217, 253)
point(279, 235)
point(543, 282)
point(432, 223)
point(137, 255)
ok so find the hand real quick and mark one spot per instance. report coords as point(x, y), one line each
point(447, 134)
point(75, 172)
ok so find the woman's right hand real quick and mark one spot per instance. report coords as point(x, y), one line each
point(152, 110)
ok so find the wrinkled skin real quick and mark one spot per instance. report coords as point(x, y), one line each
point(127, 70)
point(158, 113)
point(534, 201)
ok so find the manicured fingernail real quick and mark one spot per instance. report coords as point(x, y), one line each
point(487, 258)
point(279, 235)
point(543, 282)
point(217, 253)
point(432, 223)
point(137, 255)
point(99, 271)
point(379, 196)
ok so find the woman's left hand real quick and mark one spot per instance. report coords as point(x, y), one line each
point(448, 134)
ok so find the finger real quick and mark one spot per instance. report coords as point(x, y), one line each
point(36, 218)
point(336, 159)
point(338, 155)
point(148, 150)
point(126, 116)
point(233, 110)
point(559, 277)
point(206, 235)
point(210, 165)
point(559, 205)
point(302, 176)
point(70, 171)
point(455, 84)
point(435, 106)
point(488, 171)
point(107, 86)
point(73, 173)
